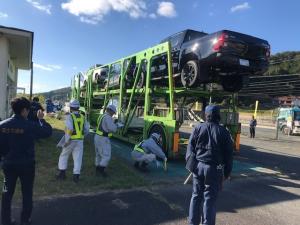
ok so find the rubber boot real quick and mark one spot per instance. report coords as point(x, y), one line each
point(61, 175)
point(143, 167)
point(136, 165)
point(102, 171)
point(75, 178)
point(98, 171)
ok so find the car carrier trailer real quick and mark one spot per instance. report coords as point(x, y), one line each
point(145, 105)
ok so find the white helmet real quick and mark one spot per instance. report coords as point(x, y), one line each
point(74, 103)
point(112, 108)
point(155, 136)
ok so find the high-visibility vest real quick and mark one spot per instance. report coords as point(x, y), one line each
point(138, 148)
point(99, 130)
point(78, 123)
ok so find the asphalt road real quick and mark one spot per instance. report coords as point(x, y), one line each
point(282, 154)
point(247, 201)
point(269, 196)
point(270, 133)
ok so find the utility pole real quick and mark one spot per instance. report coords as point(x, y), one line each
point(31, 81)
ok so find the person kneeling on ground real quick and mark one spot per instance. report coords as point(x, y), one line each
point(76, 128)
point(147, 151)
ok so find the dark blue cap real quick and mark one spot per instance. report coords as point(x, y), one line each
point(212, 109)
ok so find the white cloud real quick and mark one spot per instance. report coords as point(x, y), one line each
point(240, 7)
point(92, 20)
point(93, 11)
point(195, 5)
point(56, 67)
point(153, 16)
point(3, 15)
point(47, 67)
point(39, 66)
point(36, 4)
point(166, 9)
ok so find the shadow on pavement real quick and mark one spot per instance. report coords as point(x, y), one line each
point(128, 208)
point(286, 164)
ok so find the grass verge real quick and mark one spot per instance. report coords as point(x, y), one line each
point(121, 176)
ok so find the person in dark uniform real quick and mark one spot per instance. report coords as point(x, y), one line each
point(17, 136)
point(252, 125)
point(35, 106)
point(211, 148)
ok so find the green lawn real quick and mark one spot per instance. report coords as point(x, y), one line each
point(121, 176)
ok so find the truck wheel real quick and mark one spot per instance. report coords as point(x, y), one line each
point(232, 83)
point(157, 128)
point(189, 73)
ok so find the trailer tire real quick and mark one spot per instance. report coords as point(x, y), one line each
point(189, 73)
point(157, 128)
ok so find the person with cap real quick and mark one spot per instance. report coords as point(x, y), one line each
point(76, 128)
point(147, 151)
point(17, 137)
point(105, 127)
point(211, 147)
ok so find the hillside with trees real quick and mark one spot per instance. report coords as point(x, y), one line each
point(284, 63)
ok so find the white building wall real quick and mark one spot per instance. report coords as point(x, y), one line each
point(4, 57)
point(11, 85)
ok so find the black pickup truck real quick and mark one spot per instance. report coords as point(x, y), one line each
point(224, 57)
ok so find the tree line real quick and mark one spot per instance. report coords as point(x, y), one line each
point(284, 63)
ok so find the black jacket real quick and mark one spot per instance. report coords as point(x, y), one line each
point(17, 136)
point(212, 144)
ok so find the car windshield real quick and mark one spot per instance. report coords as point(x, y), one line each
point(192, 35)
point(175, 39)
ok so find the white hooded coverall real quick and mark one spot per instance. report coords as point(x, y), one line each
point(102, 144)
point(151, 150)
point(75, 146)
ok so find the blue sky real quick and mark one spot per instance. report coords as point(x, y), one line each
point(72, 35)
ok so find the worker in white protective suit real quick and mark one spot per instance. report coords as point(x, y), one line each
point(105, 127)
point(76, 128)
point(148, 151)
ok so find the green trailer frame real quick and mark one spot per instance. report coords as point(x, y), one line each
point(130, 100)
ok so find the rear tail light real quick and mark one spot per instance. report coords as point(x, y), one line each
point(176, 142)
point(219, 42)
